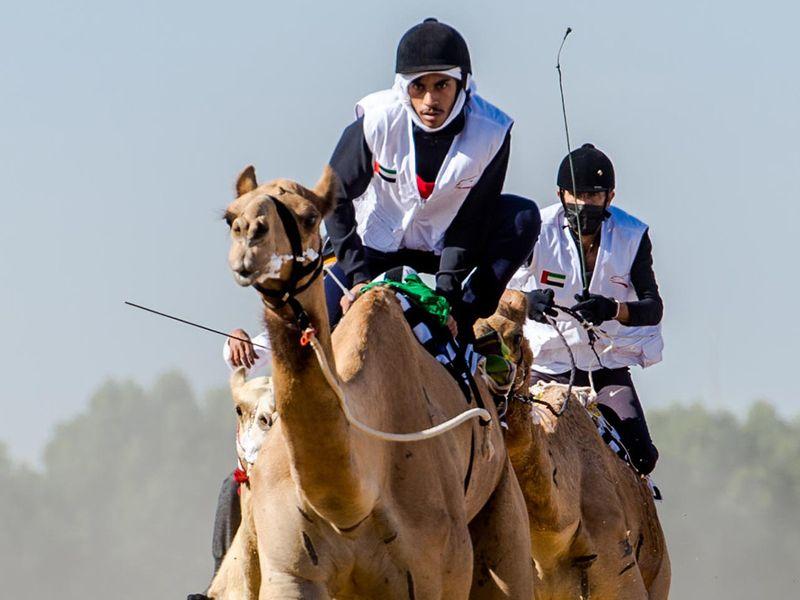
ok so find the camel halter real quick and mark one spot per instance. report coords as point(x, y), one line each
point(286, 296)
point(297, 271)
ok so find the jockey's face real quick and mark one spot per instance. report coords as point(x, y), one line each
point(433, 97)
point(590, 198)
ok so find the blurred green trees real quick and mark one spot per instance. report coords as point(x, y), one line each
point(123, 505)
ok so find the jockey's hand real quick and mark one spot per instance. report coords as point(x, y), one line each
point(345, 302)
point(452, 326)
point(596, 308)
point(540, 303)
point(242, 352)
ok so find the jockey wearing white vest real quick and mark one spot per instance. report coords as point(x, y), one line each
point(617, 291)
point(421, 172)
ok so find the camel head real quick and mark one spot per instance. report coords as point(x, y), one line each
point(508, 321)
point(254, 401)
point(261, 251)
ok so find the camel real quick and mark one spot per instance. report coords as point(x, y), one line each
point(337, 512)
point(254, 402)
point(595, 532)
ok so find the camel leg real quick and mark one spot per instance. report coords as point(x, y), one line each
point(238, 576)
point(502, 544)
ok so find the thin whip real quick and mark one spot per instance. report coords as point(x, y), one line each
point(425, 434)
point(203, 327)
point(569, 158)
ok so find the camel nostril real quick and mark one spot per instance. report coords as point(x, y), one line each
point(243, 271)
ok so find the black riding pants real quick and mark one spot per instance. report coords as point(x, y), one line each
point(511, 234)
point(227, 519)
point(619, 404)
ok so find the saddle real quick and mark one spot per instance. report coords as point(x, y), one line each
point(426, 313)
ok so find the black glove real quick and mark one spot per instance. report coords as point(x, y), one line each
point(540, 303)
point(595, 308)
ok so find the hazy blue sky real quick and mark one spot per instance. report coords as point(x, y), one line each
point(124, 124)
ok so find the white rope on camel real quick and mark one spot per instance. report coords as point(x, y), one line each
point(425, 434)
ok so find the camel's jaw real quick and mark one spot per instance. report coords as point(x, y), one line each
point(244, 281)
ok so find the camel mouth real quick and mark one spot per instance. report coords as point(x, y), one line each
point(245, 280)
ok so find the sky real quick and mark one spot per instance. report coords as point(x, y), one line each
point(123, 127)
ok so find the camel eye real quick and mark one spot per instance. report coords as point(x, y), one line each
point(310, 220)
point(259, 231)
point(239, 410)
point(517, 339)
point(229, 219)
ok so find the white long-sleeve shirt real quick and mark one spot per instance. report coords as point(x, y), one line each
point(263, 351)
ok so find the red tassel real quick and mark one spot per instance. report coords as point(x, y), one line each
point(240, 476)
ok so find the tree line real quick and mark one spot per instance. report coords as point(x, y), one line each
point(123, 503)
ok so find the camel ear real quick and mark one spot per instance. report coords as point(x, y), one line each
point(325, 190)
point(238, 378)
point(246, 182)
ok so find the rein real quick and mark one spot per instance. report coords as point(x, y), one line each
point(594, 334)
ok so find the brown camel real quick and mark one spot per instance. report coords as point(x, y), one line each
point(595, 532)
point(339, 513)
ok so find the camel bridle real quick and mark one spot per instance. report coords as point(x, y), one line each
point(287, 294)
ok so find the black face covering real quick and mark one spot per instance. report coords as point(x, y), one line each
point(590, 217)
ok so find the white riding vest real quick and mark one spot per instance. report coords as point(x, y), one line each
point(391, 214)
point(556, 263)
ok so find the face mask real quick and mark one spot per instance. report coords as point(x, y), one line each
point(590, 217)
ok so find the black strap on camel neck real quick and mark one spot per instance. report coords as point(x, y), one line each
point(276, 299)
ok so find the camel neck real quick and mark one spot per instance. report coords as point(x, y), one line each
point(531, 455)
point(315, 429)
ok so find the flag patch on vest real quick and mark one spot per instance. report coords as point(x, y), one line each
point(554, 279)
point(385, 174)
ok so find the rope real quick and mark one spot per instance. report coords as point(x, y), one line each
point(572, 369)
point(473, 413)
point(594, 333)
point(340, 285)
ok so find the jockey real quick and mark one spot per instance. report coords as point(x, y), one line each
point(421, 171)
point(617, 292)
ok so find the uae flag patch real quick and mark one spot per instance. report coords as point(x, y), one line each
point(385, 174)
point(554, 279)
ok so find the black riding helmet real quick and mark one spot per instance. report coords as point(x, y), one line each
point(593, 171)
point(432, 46)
